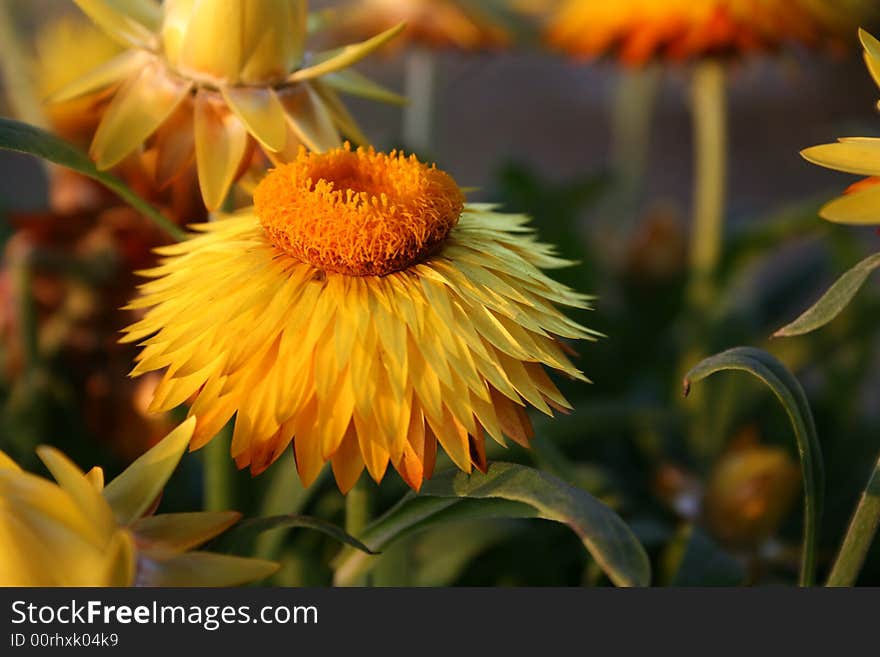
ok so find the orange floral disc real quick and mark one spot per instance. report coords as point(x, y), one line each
point(359, 213)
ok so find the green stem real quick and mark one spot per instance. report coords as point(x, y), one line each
point(218, 472)
point(151, 213)
point(358, 507)
point(710, 172)
point(285, 495)
point(859, 536)
point(634, 102)
point(418, 115)
point(22, 277)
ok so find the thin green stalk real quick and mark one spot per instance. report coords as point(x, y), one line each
point(418, 114)
point(709, 110)
point(151, 213)
point(709, 100)
point(358, 507)
point(633, 112)
point(358, 510)
point(859, 536)
point(23, 281)
point(218, 469)
point(285, 495)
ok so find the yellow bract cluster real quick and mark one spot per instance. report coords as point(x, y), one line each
point(359, 370)
point(360, 213)
point(206, 81)
point(76, 531)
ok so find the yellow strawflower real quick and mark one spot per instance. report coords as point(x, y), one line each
point(858, 155)
point(78, 532)
point(363, 311)
point(209, 79)
point(637, 31)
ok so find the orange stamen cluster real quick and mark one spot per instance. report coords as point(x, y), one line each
point(359, 213)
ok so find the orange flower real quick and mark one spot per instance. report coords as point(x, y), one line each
point(637, 31)
point(431, 23)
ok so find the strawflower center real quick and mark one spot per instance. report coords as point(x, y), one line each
point(359, 213)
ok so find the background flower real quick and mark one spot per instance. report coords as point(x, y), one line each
point(639, 30)
point(859, 155)
point(175, 88)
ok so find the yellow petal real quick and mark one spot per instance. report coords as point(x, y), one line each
point(859, 208)
point(273, 37)
point(221, 144)
point(96, 477)
point(175, 145)
point(120, 68)
point(212, 44)
point(309, 119)
point(454, 439)
point(261, 112)
point(859, 155)
point(872, 54)
point(342, 119)
point(351, 82)
point(207, 569)
point(175, 20)
point(133, 491)
point(81, 491)
point(131, 22)
point(7, 463)
point(179, 532)
point(345, 57)
point(347, 462)
point(45, 509)
point(137, 110)
point(121, 560)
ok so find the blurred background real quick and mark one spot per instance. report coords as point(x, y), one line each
point(711, 485)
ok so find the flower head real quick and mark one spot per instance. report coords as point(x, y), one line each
point(637, 31)
point(78, 532)
point(210, 79)
point(363, 312)
point(859, 155)
point(430, 23)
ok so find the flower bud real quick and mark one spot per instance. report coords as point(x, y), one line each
point(234, 41)
point(749, 494)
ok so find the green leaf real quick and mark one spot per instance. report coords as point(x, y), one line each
point(833, 301)
point(507, 491)
point(861, 533)
point(248, 530)
point(785, 386)
point(25, 138)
